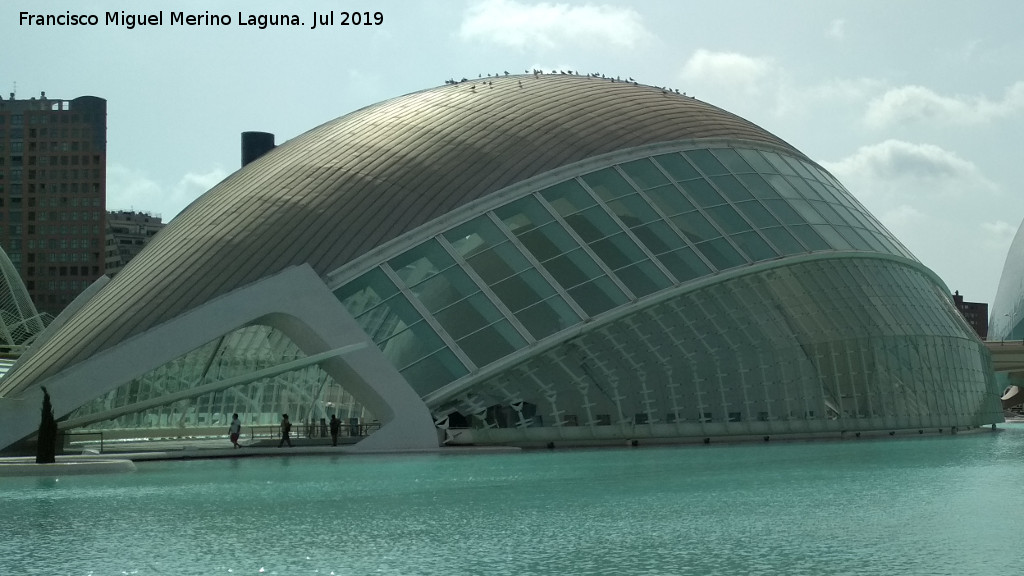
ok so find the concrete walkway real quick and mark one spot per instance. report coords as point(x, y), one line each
point(120, 458)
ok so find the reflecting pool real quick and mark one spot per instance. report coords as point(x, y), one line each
point(903, 505)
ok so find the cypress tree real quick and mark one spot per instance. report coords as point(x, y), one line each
point(46, 447)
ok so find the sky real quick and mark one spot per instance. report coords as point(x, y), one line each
point(917, 107)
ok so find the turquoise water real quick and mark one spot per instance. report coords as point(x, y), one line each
point(919, 505)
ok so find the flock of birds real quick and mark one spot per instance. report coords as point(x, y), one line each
point(537, 73)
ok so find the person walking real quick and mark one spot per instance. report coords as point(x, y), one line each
point(235, 430)
point(335, 428)
point(286, 429)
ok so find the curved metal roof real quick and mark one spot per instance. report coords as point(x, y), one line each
point(344, 188)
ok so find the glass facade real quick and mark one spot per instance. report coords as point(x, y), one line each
point(588, 310)
point(307, 394)
point(570, 252)
point(811, 347)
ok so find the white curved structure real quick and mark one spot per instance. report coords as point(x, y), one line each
point(20, 322)
point(535, 259)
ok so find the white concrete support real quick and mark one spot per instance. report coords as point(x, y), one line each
point(295, 301)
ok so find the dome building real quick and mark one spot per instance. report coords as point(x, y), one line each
point(522, 260)
point(1008, 308)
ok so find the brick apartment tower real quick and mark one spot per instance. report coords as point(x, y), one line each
point(53, 160)
point(975, 313)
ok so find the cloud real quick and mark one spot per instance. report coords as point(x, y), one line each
point(903, 216)
point(547, 25)
point(998, 235)
point(836, 29)
point(898, 167)
point(131, 189)
point(727, 69)
point(917, 104)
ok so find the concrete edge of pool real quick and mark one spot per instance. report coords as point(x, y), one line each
point(123, 459)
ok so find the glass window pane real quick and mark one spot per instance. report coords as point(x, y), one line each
point(864, 221)
point(782, 186)
point(568, 197)
point(642, 278)
point(522, 291)
point(366, 291)
point(467, 316)
point(801, 169)
point(684, 264)
point(757, 214)
point(696, 227)
point(842, 196)
point(593, 224)
point(784, 212)
point(704, 160)
point(731, 188)
point(677, 167)
point(754, 158)
point(823, 191)
point(573, 268)
point(889, 246)
point(499, 263)
point(548, 242)
point(474, 236)
point(670, 200)
point(633, 210)
point(421, 262)
point(598, 295)
point(394, 315)
point(491, 343)
point(721, 254)
point(754, 246)
point(658, 237)
point(783, 240)
point(807, 211)
point(434, 371)
point(644, 173)
point(732, 160)
point(617, 251)
point(444, 289)
point(702, 193)
point(848, 217)
point(728, 219)
point(608, 184)
point(853, 238)
point(781, 166)
point(830, 215)
point(548, 317)
point(523, 214)
point(758, 186)
point(810, 238)
point(410, 345)
point(803, 188)
point(832, 237)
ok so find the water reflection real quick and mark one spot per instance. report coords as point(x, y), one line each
point(919, 505)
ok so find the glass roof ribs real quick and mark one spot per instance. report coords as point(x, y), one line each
point(557, 254)
point(202, 387)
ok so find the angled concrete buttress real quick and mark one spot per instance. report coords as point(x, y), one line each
point(295, 301)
